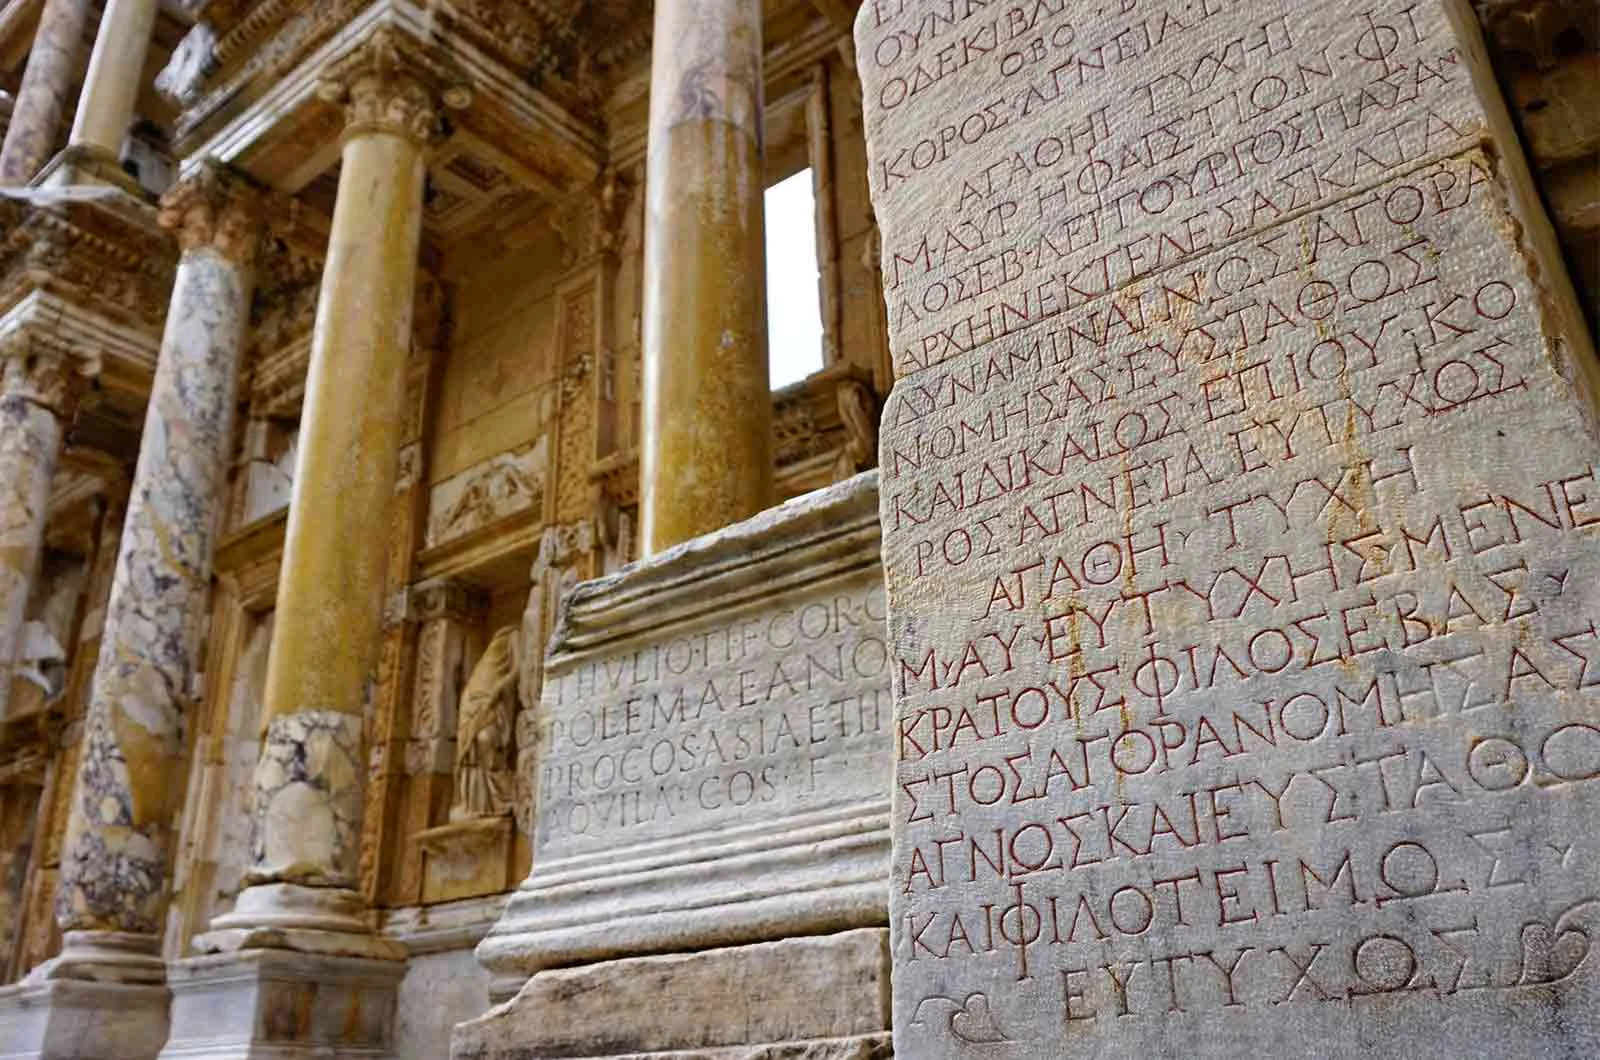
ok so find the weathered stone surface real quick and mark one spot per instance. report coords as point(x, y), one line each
point(64, 1019)
point(278, 1003)
point(439, 991)
point(1239, 496)
point(822, 998)
point(712, 753)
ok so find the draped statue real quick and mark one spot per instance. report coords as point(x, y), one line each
point(485, 723)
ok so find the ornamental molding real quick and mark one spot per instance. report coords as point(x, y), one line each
point(95, 247)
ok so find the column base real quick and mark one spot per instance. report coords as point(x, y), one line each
point(323, 921)
point(274, 1004)
point(106, 957)
point(810, 998)
point(79, 164)
point(74, 1019)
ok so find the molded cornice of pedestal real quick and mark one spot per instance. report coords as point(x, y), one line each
point(822, 534)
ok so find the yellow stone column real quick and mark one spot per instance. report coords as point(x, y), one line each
point(302, 885)
point(706, 457)
point(116, 70)
point(45, 93)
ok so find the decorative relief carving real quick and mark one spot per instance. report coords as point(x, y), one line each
point(484, 731)
point(182, 80)
point(858, 411)
point(555, 572)
point(577, 428)
point(501, 486)
point(215, 208)
point(84, 248)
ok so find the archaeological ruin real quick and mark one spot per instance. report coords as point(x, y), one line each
point(799, 529)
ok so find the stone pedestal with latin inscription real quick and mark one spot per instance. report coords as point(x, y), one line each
point(1240, 509)
point(712, 774)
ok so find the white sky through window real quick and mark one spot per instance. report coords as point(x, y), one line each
point(794, 317)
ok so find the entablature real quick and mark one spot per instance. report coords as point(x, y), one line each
point(262, 112)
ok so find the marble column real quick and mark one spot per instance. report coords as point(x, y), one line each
point(34, 390)
point(45, 93)
point(116, 73)
point(302, 887)
point(112, 896)
point(706, 457)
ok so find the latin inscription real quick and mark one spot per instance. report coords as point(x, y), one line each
point(719, 723)
point(1240, 510)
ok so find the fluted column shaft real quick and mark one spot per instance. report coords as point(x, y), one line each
point(116, 71)
point(44, 95)
point(308, 782)
point(33, 398)
point(112, 893)
point(707, 441)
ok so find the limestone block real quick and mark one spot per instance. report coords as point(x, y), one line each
point(283, 1004)
point(67, 1019)
point(466, 859)
point(439, 991)
point(712, 755)
point(1240, 502)
point(823, 998)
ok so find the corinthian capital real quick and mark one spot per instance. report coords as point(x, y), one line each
point(37, 373)
point(216, 208)
point(384, 87)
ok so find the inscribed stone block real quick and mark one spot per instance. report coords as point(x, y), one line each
point(1240, 505)
point(712, 758)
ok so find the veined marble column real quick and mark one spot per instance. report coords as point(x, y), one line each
point(302, 888)
point(34, 391)
point(113, 873)
point(706, 458)
point(44, 95)
point(116, 70)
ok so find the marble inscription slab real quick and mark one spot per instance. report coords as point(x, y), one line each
point(714, 739)
point(1240, 506)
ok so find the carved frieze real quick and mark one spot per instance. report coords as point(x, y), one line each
point(93, 247)
point(503, 485)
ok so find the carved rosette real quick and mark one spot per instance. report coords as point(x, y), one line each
point(384, 88)
point(215, 209)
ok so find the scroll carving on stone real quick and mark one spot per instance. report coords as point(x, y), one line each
point(485, 778)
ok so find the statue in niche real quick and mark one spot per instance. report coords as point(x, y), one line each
point(485, 719)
